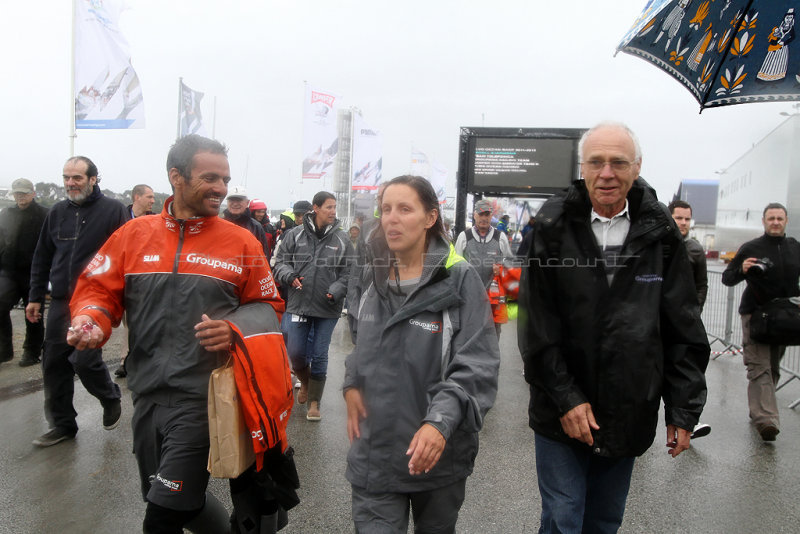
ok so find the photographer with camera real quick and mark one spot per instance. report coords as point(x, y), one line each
point(770, 265)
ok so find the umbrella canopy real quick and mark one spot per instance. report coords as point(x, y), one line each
point(724, 51)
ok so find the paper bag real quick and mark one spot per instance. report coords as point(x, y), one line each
point(231, 447)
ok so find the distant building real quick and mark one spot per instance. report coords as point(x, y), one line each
point(768, 172)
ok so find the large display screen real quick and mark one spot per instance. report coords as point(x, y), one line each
point(517, 161)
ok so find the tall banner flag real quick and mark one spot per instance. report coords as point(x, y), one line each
point(431, 170)
point(419, 163)
point(438, 180)
point(367, 165)
point(107, 90)
point(190, 116)
point(320, 134)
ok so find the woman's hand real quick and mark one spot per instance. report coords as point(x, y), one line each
point(425, 449)
point(355, 412)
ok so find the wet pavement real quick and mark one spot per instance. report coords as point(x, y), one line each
point(729, 482)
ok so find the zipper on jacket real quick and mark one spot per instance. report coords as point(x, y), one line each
point(71, 263)
point(171, 325)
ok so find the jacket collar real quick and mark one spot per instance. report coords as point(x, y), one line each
point(195, 225)
point(93, 196)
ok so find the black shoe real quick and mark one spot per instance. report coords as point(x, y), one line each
point(112, 411)
point(56, 435)
point(7, 357)
point(28, 360)
point(769, 433)
point(121, 372)
point(701, 430)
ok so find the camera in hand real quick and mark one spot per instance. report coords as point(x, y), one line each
point(760, 266)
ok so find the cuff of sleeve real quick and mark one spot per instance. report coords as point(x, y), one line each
point(437, 421)
point(99, 317)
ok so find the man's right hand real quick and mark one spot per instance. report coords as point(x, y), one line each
point(33, 312)
point(746, 264)
point(579, 422)
point(297, 283)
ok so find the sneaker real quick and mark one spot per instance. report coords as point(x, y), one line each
point(701, 430)
point(111, 414)
point(769, 433)
point(121, 372)
point(56, 435)
point(7, 357)
point(27, 360)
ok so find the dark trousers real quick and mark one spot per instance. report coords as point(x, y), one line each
point(15, 286)
point(435, 511)
point(581, 493)
point(60, 364)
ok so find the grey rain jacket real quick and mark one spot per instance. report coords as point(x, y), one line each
point(434, 360)
point(623, 347)
point(323, 263)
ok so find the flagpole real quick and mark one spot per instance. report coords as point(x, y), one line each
point(72, 131)
point(180, 101)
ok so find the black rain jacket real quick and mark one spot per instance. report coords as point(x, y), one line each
point(623, 347)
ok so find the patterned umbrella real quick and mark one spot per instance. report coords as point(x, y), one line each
point(724, 51)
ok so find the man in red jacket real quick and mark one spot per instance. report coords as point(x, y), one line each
point(181, 277)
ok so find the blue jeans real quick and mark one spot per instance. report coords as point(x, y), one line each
point(581, 492)
point(307, 342)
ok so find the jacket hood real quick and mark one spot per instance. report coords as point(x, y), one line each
point(308, 223)
point(382, 260)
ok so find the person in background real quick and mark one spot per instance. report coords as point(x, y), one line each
point(602, 345)
point(502, 225)
point(258, 210)
point(313, 262)
point(770, 265)
point(359, 258)
point(142, 198)
point(73, 232)
point(239, 214)
point(528, 227)
point(484, 247)
point(20, 226)
point(417, 388)
point(682, 215)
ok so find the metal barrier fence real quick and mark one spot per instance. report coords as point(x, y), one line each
point(724, 327)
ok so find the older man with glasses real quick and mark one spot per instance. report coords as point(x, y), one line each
point(611, 327)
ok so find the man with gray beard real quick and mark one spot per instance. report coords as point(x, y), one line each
point(73, 232)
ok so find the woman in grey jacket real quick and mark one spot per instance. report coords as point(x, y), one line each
point(424, 371)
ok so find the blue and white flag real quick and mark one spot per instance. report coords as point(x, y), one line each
point(191, 117)
point(107, 90)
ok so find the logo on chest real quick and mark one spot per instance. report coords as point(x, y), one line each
point(434, 327)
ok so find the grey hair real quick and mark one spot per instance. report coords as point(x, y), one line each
point(612, 124)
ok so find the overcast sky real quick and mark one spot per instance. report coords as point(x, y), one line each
point(418, 71)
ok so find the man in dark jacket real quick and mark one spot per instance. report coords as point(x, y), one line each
point(19, 230)
point(770, 265)
point(313, 262)
point(239, 214)
point(611, 327)
point(73, 232)
point(682, 215)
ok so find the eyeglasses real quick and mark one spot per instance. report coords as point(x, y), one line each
point(617, 165)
